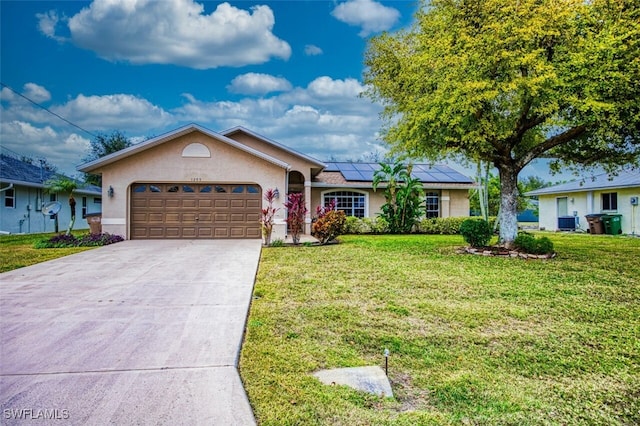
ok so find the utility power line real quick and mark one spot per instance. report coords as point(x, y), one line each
point(46, 109)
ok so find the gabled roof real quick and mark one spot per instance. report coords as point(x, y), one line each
point(361, 174)
point(274, 143)
point(14, 170)
point(625, 179)
point(158, 140)
point(18, 172)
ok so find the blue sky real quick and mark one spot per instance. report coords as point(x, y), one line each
point(290, 70)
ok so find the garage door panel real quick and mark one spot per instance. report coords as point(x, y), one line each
point(139, 202)
point(156, 232)
point(205, 232)
point(173, 203)
point(237, 204)
point(189, 217)
point(221, 218)
point(139, 217)
point(155, 203)
point(221, 232)
point(253, 233)
point(238, 232)
point(155, 217)
point(177, 210)
point(237, 218)
point(205, 218)
point(189, 232)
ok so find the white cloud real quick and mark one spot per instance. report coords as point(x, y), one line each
point(258, 84)
point(36, 93)
point(173, 32)
point(326, 118)
point(370, 15)
point(326, 87)
point(61, 149)
point(114, 112)
point(312, 50)
point(47, 23)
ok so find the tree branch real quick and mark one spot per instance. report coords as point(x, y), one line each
point(551, 143)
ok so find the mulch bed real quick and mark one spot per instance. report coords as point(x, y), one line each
point(498, 251)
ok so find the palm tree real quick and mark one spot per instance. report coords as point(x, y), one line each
point(403, 195)
point(64, 184)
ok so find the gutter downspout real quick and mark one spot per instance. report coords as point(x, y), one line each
point(8, 187)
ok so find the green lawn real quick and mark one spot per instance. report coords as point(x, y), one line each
point(17, 251)
point(473, 340)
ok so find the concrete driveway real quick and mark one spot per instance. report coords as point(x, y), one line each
point(139, 332)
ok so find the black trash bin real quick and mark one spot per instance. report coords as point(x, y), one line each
point(595, 223)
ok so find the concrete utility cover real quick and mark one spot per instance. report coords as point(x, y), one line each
point(367, 379)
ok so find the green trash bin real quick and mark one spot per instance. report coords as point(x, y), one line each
point(612, 224)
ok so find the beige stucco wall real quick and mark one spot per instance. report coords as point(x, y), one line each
point(458, 202)
point(165, 163)
point(587, 202)
point(297, 163)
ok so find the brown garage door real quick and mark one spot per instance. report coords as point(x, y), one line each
point(180, 210)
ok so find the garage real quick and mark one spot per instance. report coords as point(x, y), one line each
point(190, 210)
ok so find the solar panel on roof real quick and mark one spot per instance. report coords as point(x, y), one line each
point(352, 175)
point(363, 167)
point(423, 177)
point(345, 166)
point(331, 167)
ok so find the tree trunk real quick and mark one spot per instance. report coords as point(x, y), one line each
point(508, 215)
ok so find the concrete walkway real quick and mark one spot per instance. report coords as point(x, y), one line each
point(139, 332)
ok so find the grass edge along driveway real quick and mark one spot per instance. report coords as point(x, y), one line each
point(17, 251)
point(473, 339)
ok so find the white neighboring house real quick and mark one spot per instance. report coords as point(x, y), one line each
point(22, 196)
point(603, 194)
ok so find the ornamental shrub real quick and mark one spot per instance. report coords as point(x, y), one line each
point(354, 225)
point(329, 226)
point(530, 244)
point(476, 232)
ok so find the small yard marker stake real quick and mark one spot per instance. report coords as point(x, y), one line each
point(386, 361)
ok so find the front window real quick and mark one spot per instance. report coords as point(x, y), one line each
point(432, 204)
point(351, 203)
point(10, 198)
point(610, 201)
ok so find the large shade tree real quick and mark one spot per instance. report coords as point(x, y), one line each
point(104, 145)
point(507, 81)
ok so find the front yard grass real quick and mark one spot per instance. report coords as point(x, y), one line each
point(17, 251)
point(473, 339)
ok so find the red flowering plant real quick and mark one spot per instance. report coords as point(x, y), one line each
point(267, 215)
point(296, 211)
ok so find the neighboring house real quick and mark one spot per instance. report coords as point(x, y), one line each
point(603, 194)
point(196, 183)
point(22, 194)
